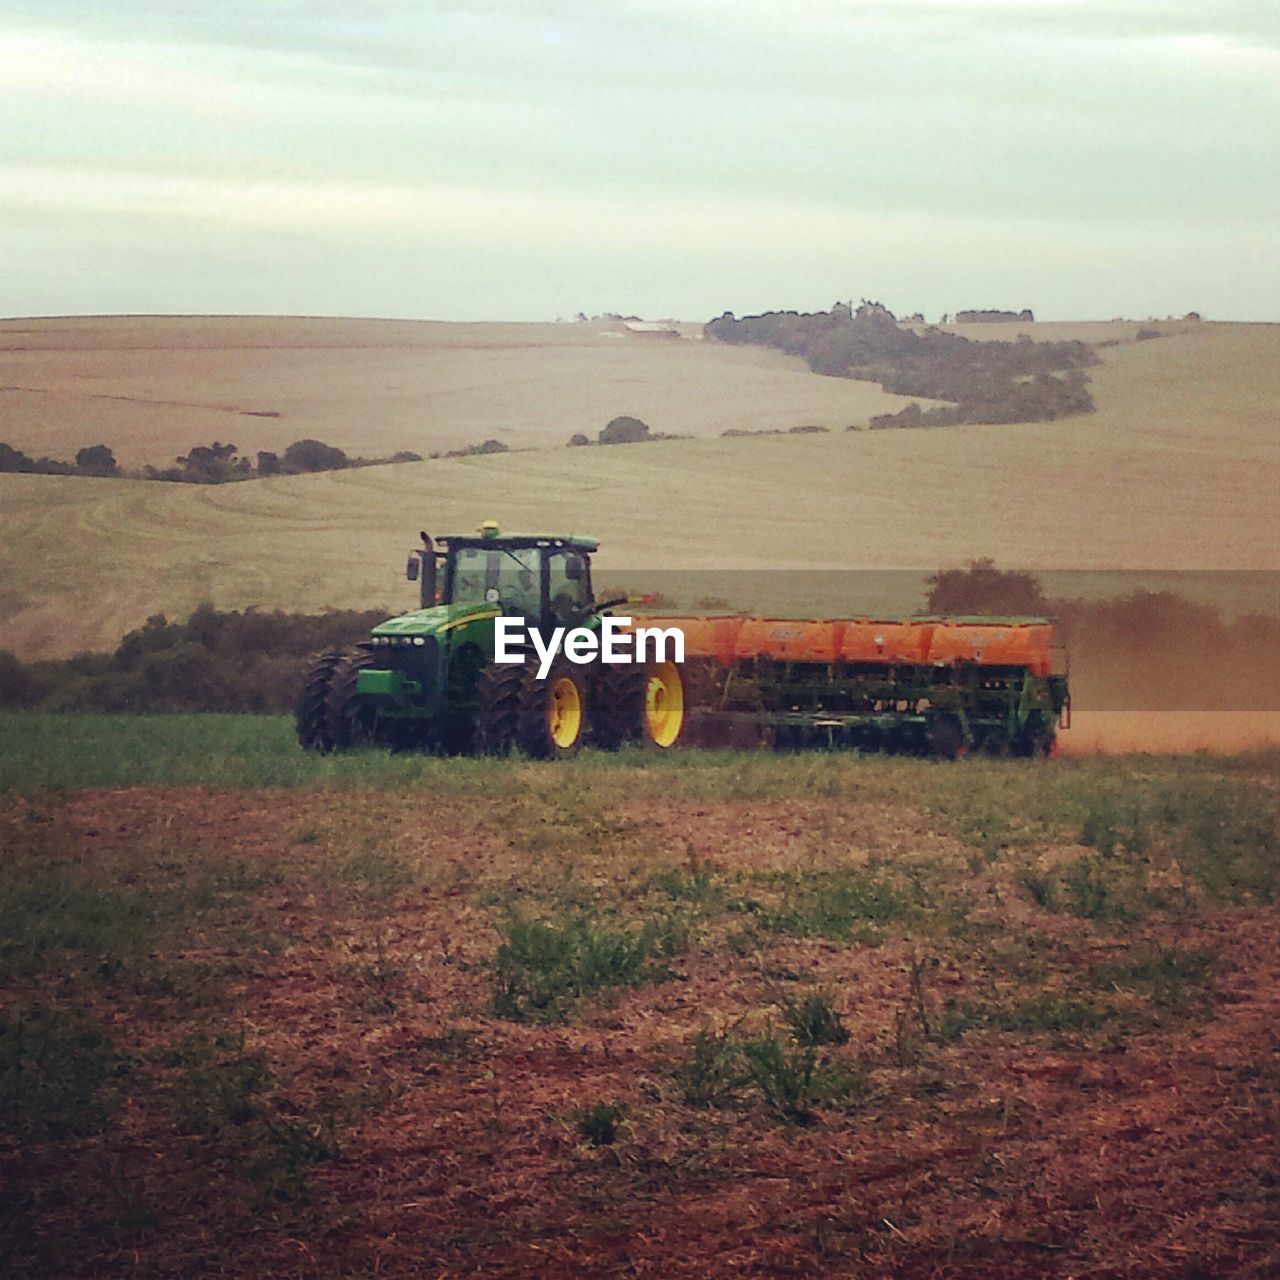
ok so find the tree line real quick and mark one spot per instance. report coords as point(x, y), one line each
point(251, 660)
point(1021, 381)
point(216, 463)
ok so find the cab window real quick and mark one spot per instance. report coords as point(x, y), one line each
point(516, 578)
point(569, 585)
point(513, 574)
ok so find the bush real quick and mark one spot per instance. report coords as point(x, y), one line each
point(625, 430)
point(313, 455)
point(19, 686)
point(478, 450)
point(981, 588)
point(97, 460)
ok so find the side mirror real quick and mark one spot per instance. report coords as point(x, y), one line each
point(413, 568)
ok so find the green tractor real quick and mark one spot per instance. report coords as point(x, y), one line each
point(429, 680)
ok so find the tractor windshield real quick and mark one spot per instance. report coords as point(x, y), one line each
point(513, 574)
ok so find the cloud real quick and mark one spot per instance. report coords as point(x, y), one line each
point(691, 129)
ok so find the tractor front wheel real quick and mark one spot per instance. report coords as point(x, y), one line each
point(552, 718)
point(351, 719)
point(309, 718)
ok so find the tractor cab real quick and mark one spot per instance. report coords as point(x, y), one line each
point(543, 578)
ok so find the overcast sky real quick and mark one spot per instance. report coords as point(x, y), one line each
point(490, 159)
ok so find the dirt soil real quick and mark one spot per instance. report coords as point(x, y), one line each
point(1147, 1152)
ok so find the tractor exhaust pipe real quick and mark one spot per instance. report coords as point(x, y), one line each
point(422, 570)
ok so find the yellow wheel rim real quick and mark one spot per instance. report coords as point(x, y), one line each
point(564, 712)
point(664, 704)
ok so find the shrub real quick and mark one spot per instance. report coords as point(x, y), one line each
point(97, 460)
point(313, 455)
point(476, 450)
point(625, 430)
point(19, 686)
point(981, 588)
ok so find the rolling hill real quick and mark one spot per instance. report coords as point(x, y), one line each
point(152, 387)
point(1178, 469)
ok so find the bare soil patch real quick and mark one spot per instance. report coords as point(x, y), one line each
point(345, 940)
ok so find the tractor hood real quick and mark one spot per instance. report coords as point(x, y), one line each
point(430, 622)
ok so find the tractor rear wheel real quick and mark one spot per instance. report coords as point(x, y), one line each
point(497, 708)
point(552, 718)
point(309, 719)
point(351, 719)
point(644, 704)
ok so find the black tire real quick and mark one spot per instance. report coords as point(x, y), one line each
point(619, 711)
point(309, 719)
point(351, 720)
point(540, 731)
point(617, 705)
point(497, 708)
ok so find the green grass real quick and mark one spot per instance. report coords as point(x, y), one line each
point(49, 916)
point(813, 1020)
point(1040, 1013)
point(228, 1097)
point(710, 1074)
point(794, 1080)
point(600, 1123)
point(55, 1068)
point(57, 752)
point(543, 968)
point(1172, 980)
point(843, 905)
point(793, 1077)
